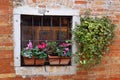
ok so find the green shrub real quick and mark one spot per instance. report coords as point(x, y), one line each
point(93, 36)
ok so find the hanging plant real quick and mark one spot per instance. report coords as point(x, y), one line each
point(93, 37)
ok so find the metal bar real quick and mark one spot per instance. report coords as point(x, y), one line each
point(51, 24)
point(33, 29)
point(60, 28)
point(42, 26)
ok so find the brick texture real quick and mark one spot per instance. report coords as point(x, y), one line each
point(108, 69)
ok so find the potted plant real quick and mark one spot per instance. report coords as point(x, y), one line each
point(51, 50)
point(28, 55)
point(61, 55)
point(40, 53)
point(34, 55)
point(93, 37)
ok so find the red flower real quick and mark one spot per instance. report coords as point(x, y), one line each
point(29, 45)
point(65, 44)
point(42, 45)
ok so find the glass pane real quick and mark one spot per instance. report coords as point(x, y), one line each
point(45, 35)
point(46, 21)
point(26, 20)
point(55, 21)
point(37, 20)
point(61, 35)
point(42, 28)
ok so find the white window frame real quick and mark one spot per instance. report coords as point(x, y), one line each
point(17, 42)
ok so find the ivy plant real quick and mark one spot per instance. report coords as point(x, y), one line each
point(93, 37)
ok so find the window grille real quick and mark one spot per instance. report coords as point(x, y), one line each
point(44, 28)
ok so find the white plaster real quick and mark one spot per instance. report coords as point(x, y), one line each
point(17, 40)
point(44, 70)
point(49, 11)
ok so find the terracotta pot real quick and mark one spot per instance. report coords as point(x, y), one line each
point(65, 60)
point(29, 61)
point(39, 61)
point(56, 60)
point(53, 60)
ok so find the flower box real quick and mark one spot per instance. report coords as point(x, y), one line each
point(39, 61)
point(28, 61)
point(65, 60)
point(53, 60)
point(56, 60)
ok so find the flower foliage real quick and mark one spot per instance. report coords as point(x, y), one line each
point(64, 49)
point(27, 52)
point(38, 51)
point(45, 48)
point(93, 36)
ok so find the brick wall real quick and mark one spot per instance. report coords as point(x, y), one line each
point(109, 69)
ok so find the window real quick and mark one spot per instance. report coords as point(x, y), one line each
point(39, 29)
point(30, 12)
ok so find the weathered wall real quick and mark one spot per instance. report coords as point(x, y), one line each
point(109, 69)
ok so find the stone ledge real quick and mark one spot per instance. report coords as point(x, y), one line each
point(45, 70)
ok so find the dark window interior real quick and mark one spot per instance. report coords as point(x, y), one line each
point(41, 28)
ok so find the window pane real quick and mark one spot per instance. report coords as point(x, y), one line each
point(55, 21)
point(42, 28)
point(46, 21)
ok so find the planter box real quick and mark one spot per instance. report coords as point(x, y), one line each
point(65, 60)
point(39, 61)
point(29, 61)
point(56, 60)
point(53, 60)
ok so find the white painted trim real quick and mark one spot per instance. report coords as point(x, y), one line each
point(49, 11)
point(17, 59)
point(17, 49)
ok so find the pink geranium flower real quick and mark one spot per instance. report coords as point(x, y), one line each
point(29, 45)
point(42, 45)
point(65, 44)
point(66, 49)
point(65, 52)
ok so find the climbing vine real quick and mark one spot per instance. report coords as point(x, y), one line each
point(93, 37)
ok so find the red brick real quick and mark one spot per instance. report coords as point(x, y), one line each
point(6, 51)
point(39, 78)
point(118, 16)
point(6, 44)
point(4, 19)
point(6, 30)
point(116, 21)
point(100, 9)
point(6, 69)
point(114, 68)
point(54, 78)
point(114, 78)
point(101, 78)
point(80, 2)
point(4, 7)
point(5, 65)
point(4, 2)
point(6, 62)
point(34, 1)
point(79, 77)
point(99, 2)
point(108, 69)
point(20, 78)
point(114, 60)
point(115, 75)
point(66, 77)
point(16, 78)
point(82, 72)
point(4, 56)
point(114, 54)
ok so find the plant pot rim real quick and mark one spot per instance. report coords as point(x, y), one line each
point(50, 56)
